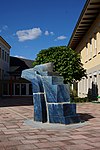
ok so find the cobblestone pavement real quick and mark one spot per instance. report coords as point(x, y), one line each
point(15, 135)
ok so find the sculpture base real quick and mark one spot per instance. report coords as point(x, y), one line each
point(65, 120)
point(63, 113)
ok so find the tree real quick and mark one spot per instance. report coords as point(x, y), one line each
point(66, 61)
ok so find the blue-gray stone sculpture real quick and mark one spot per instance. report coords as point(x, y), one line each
point(51, 96)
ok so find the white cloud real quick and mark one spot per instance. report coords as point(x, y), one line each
point(19, 56)
point(4, 27)
point(62, 37)
point(51, 33)
point(30, 34)
point(46, 33)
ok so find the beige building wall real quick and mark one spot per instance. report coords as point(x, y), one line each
point(89, 48)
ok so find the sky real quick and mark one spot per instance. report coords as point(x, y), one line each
point(32, 25)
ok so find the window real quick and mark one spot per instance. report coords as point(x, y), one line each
point(17, 89)
point(3, 54)
point(99, 82)
point(90, 82)
point(7, 57)
point(0, 52)
point(98, 38)
point(0, 73)
point(86, 52)
point(95, 87)
point(5, 89)
point(90, 48)
point(95, 45)
point(23, 89)
point(86, 86)
point(30, 89)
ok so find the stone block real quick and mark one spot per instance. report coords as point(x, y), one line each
point(50, 95)
point(56, 93)
point(53, 80)
point(64, 120)
point(37, 85)
point(40, 113)
point(62, 93)
point(61, 109)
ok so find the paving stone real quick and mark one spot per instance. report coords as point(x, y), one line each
point(96, 144)
point(78, 137)
point(79, 141)
point(14, 135)
point(26, 147)
point(46, 145)
point(29, 141)
point(58, 138)
point(96, 139)
point(11, 148)
point(78, 147)
point(10, 143)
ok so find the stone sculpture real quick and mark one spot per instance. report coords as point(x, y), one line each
point(50, 95)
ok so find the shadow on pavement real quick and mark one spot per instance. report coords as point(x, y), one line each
point(85, 116)
point(10, 102)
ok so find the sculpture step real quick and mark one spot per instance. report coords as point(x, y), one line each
point(40, 112)
point(56, 93)
point(61, 109)
point(65, 120)
point(48, 73)
point(53, 80)
point(63, 113)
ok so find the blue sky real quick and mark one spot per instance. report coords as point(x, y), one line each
point(32, 25)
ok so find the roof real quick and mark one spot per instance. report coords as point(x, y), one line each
point(28, 62)
point(89, 13)
point(16, 61)
point(13, 68)
point(19, 64)
point(1, 38)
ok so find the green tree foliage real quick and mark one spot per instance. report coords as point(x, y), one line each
point(66, 61)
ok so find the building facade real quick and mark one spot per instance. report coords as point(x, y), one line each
point(4, 58)
point(11, 83)
point(86, 41)
point(4, 61)
point(15, 86)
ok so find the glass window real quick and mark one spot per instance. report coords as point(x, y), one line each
point(95, 45)
point(0, 52)
point(23, 89)
point(0, 73)
point(5, 89)
point(3, 54)
point(7, 57)
point(17, 89)
point(91, 48)
point(30, 89)
point(86, 51)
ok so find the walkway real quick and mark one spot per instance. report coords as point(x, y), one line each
point(16, 135)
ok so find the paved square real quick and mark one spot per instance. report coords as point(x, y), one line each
point(16, 135)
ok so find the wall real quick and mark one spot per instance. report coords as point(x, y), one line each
point(89, 48)
point(4, 59)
